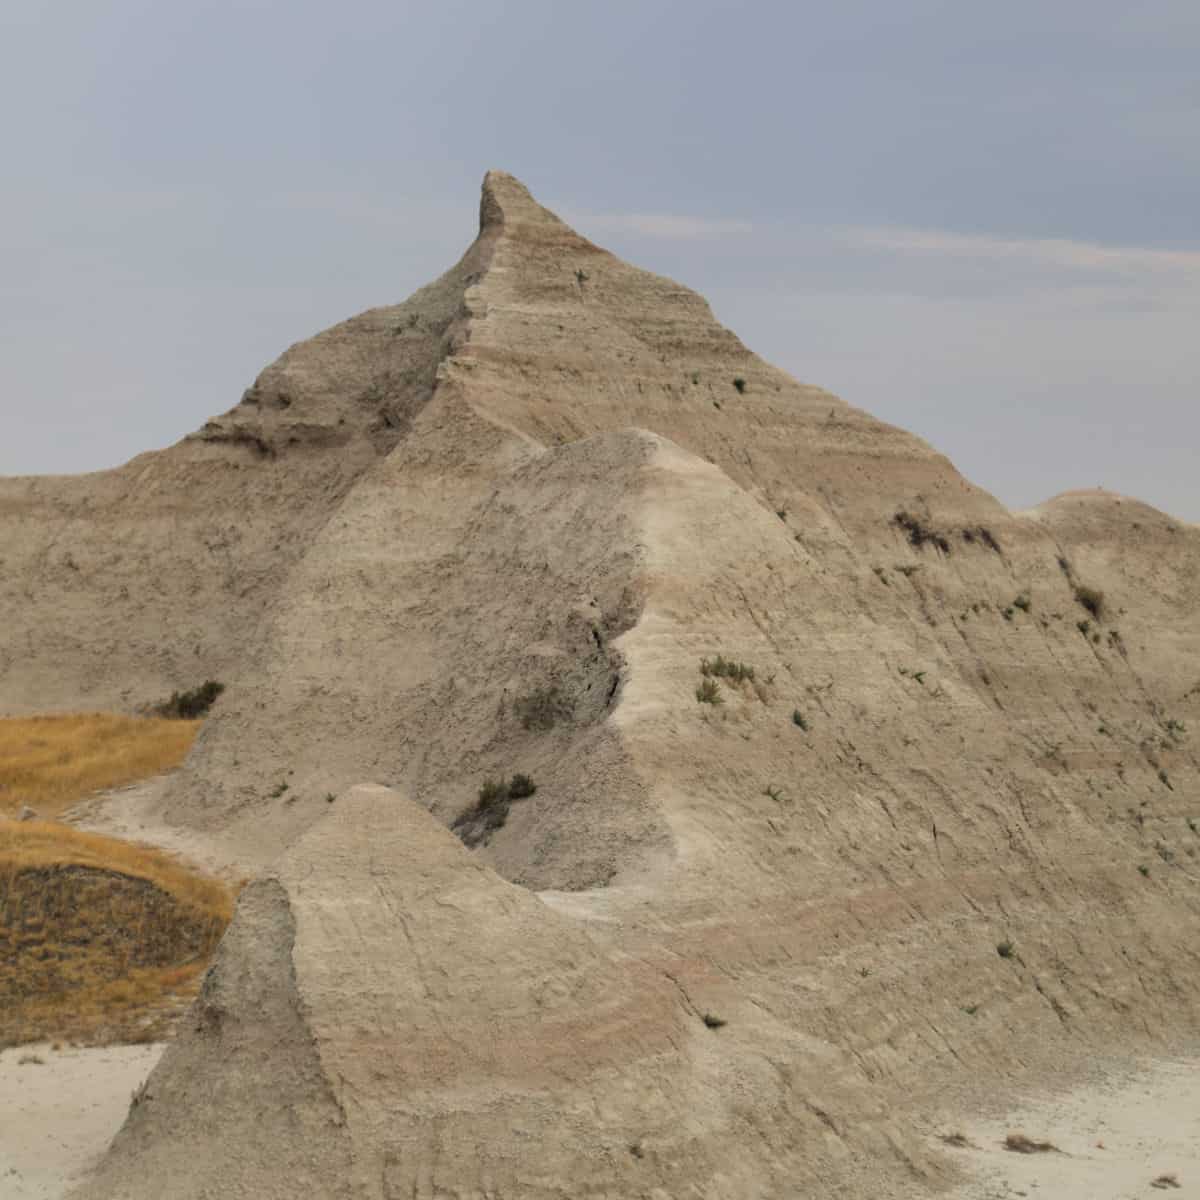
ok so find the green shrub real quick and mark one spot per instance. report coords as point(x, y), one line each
point(919, 533)
point(1023, 602)
point(740, 384)
point(1005, 949)
point(188, 706)
point(492, 792)
point(709, 692)
point(726, 668)
point(521, 786)
point(798, 718)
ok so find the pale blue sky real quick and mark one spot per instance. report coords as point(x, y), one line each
point(978, 221)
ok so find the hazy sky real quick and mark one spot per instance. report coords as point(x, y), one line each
point(980, 221)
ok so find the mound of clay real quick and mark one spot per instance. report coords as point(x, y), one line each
point(893, 786)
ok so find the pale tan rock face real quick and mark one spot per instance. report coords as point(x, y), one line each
point(512, 516)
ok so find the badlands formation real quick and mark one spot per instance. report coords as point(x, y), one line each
point(944, 842)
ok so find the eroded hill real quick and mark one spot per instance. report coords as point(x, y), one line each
point(939, 824)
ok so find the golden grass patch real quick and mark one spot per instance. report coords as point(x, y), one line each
point(52, 762)
point(98, 936)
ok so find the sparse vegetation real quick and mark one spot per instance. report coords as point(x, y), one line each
point(881, 575)
point(1168, 1179)
point(958, 1140)
point(490, 812)
point(713, 1021)
point(51, 763)
point(1175, 728)
point(521, 786)
point(1008, 613)
point(1091, 599)
point(1084, 627)
point(1023, 602)
point(709, 692)
point(1005, 949)
point(1018, 1143)
point(983, 534)
point(96, 934)
point(773, 793)
point(726, 668)
point(1144, 870)
point(1164, 778)
point(919, 534)
point(740, 384)
point(799, 719)
point(188, 706)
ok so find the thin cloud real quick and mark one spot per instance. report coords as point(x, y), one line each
point(1051, 252)
point(660, 225)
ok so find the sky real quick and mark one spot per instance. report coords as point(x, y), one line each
point(977, 221)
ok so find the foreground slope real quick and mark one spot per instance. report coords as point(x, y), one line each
point(946, 836)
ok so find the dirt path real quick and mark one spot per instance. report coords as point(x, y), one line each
point(1115, 1135)
point(133, 813)
point(60, 1110)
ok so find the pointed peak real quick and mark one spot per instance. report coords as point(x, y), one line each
point(505, 200)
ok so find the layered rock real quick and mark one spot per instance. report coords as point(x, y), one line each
point(947, 832)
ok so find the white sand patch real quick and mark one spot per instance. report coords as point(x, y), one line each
point(1115, 1135)
point(59, 1109)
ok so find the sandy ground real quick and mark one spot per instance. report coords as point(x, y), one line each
point(59, 1109)
point(1115, 1135)
point(133, 813)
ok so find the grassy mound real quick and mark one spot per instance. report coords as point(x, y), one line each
point(98, 936)
point(50, 763)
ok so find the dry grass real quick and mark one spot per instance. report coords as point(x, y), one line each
point(50, 763)
point(1167, 1180)
point(97, 936)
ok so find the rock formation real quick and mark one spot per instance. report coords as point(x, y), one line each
point(944, 836)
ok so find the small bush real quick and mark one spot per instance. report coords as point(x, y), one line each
point(1084, 627)
point(476, 826)
point(1144, 870)
point(1018, 1143)
point(521, 786)
point(1005, 949)
point(1091, 599)
point(798, 718)
point(919, 533)
point(709, 692)
point(492, 793)
point(187, 706)
point(1023, 602)
point(726, 668)
point(740, 384)
point(983, 534)
point(1008, 613)
point(713, 1021)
